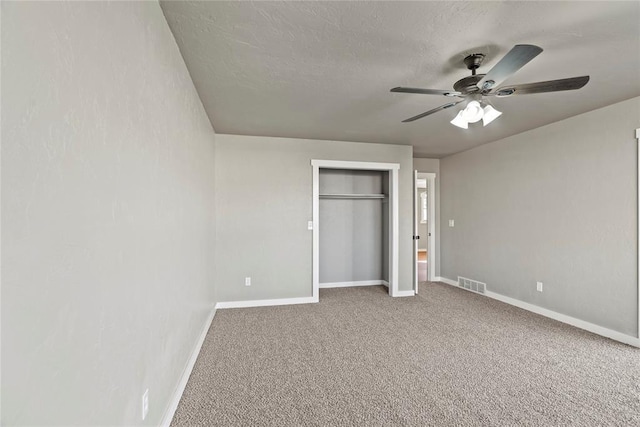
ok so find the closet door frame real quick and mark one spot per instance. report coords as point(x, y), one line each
point(393, 169)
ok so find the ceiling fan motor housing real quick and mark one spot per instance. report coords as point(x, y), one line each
point(468, 85)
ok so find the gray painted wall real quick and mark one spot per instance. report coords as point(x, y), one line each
point(278, 173)
point(340, 181)
point(432, 166)
point(107, 213)
point(557, 204)
point(351, 229)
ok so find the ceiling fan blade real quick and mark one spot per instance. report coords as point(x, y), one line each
point(435, 110)
point(515, 59)
point(541, 87)
point(425, 91)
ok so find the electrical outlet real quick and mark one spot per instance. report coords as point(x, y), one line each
point(452, 223)
point(145, 404)
point(247, 281)
point(539, 286)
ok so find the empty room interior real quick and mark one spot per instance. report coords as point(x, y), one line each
point(320, 213)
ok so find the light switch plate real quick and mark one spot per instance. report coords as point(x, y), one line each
point(452, 223)
point(310, 225)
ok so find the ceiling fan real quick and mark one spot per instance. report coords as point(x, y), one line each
point(476, 87)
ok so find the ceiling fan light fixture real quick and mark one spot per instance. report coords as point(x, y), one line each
point(460, 121)
point(490, 114)
point(473, 112)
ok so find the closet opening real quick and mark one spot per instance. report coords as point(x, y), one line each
point(355, 224)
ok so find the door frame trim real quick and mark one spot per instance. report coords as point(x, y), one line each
point(431, 238)
point(638, 228)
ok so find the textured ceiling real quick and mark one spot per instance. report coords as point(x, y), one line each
point(323, 70)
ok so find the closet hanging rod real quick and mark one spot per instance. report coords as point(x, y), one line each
point(353, 196)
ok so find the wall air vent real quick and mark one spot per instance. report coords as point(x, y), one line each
point(472, 285)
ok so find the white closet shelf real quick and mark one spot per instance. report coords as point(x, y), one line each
point(353, 196)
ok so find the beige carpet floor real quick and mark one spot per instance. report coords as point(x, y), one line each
point(446, 357)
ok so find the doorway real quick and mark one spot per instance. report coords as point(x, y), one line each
point(424, 228)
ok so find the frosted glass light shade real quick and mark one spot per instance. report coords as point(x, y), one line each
point(490, 114)
point(473, 112)
point(460, 121)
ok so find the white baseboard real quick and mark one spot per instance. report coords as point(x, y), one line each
point(578, 323)
point(404, 293)
point(445, 280)
point(347, 284)
point(599, 330)
point(350, 284)
point(266, 302)
point(186, 373)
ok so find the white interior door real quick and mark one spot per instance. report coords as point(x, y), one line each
point(416, 236)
